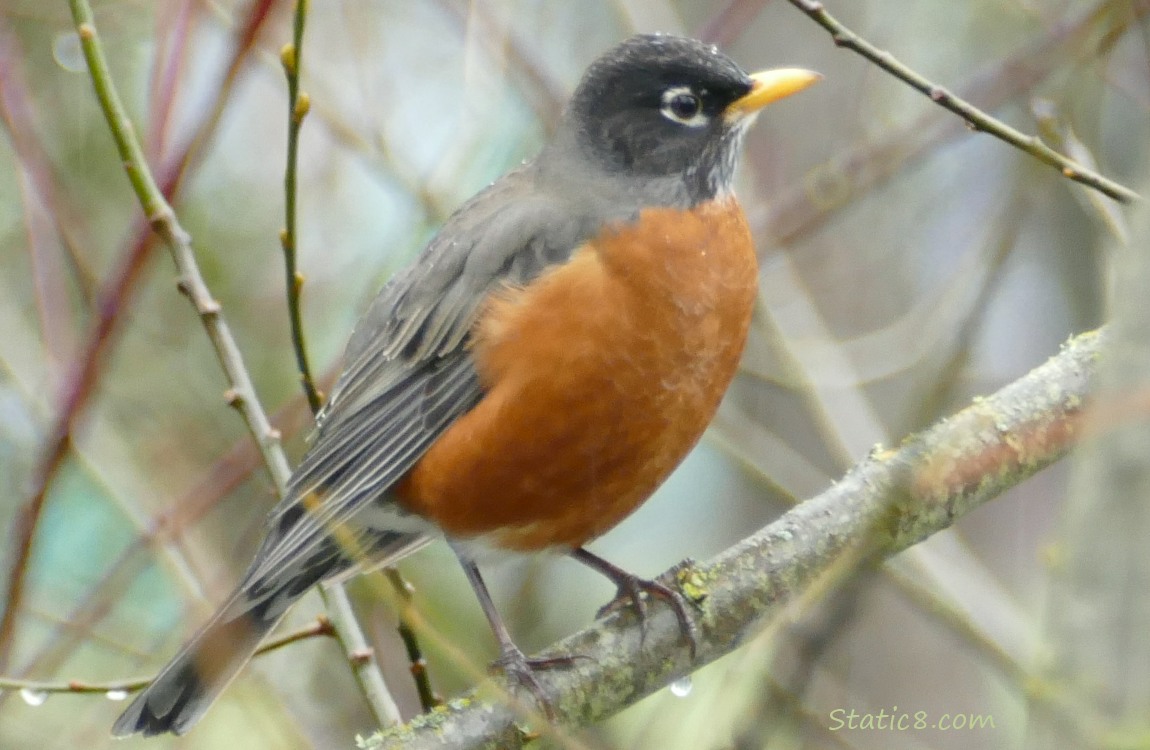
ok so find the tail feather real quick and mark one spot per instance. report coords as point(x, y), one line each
point(184, 690)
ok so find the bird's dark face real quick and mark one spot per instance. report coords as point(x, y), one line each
point(660, 106)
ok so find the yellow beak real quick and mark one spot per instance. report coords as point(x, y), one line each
point(770, 86)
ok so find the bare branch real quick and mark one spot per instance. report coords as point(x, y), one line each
point(973, 116)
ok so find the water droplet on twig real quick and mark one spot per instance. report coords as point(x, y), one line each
point(681, 687)
point(33, 697)
point(67, 53)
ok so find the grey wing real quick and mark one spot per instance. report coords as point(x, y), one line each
point(409, 373)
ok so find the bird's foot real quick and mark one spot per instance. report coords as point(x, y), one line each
point(635, 590)
point(522, 671)
point(632, 588)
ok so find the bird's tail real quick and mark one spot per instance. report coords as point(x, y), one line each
point(182, 692)
point(184, 689)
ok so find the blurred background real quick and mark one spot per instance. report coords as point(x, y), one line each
point(908, 265)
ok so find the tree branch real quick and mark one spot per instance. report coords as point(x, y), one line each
point(888, 502)
point(241, 393)
point(802, 208)
point(973, 116)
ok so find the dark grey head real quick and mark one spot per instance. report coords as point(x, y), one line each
point(660, 106)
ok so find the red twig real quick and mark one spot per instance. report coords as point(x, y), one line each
point(230, 470)
point(172, 34)
point(85, 371)
point(725, 25)
point(78, 387)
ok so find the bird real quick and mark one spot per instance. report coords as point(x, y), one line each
point(538, 370)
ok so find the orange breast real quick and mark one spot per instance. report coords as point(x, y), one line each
point(600, 377)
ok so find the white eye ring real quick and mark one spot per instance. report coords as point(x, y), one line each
point(682, 105)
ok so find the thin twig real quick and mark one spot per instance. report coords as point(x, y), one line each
point(544, 92)
point(20, 118)
point(725, 25)
point(84, 372)
point(173, 33)
point(428, 699)
point(78, 389)
point(321, 627)
point(973, 116)
point(241, 394)
point(229, 470)
point(299, 104)
point(803, 208)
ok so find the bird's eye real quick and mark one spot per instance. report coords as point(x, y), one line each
point(682, 105)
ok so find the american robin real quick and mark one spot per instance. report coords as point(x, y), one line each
point(548, 359)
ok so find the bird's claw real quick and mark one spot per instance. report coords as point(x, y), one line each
point(631, 589)
point(521, 670)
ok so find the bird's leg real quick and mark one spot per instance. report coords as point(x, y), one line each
point(511, 661)
point(633, 587)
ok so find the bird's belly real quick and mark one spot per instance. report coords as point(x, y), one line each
point(600, 376)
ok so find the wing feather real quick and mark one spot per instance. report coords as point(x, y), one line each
point(409, 374)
